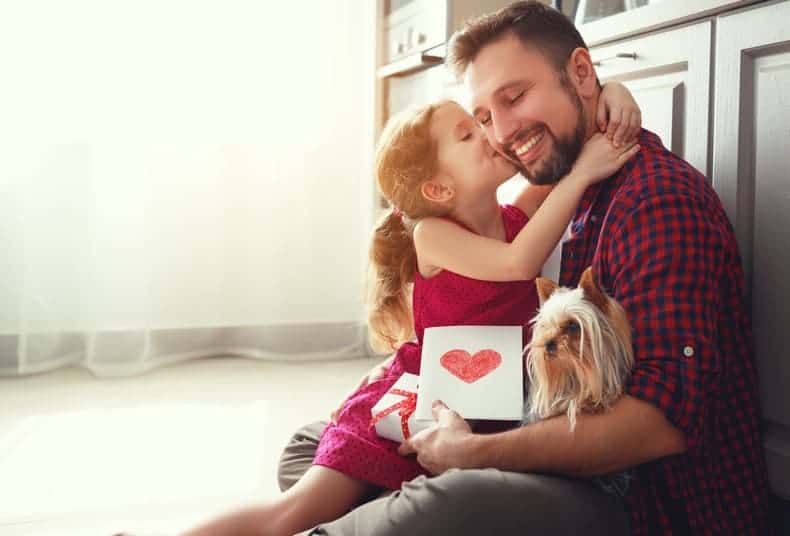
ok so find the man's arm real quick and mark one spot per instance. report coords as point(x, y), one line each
point(632, 432)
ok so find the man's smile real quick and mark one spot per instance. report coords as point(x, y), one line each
point(527, 150)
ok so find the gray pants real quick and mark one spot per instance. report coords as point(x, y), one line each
point(473, 502)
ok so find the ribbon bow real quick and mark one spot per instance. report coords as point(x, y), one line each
point(405, 408)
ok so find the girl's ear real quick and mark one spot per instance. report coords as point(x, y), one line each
point(437, 190)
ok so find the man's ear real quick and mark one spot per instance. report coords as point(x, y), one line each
point(581, 73)
point(437, 190)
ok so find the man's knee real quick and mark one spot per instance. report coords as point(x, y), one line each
point(492, 501)
point(297, 457)
point(457, 501)
point(454, 489)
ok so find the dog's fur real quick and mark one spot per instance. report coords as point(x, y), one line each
point(580, 353)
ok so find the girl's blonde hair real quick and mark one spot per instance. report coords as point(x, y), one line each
point(406, 157)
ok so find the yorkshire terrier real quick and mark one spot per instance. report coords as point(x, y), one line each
point(580, 354)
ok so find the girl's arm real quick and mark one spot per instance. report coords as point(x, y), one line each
point(443, 244)
point(376, 373)
point(618, 116)
point(531, 197)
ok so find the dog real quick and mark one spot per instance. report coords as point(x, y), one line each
point(580, 354)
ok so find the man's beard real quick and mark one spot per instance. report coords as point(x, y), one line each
point(565, 152)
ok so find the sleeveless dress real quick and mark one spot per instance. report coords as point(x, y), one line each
point(351, 446)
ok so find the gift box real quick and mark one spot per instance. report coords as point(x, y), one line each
point(393, 415)
point(476, 370)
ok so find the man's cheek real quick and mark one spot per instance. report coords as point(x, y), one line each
point(502, 152)
point(513, 160)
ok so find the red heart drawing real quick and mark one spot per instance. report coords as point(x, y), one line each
point(471, 368)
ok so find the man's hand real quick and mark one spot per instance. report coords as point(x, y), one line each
point(445, 445)
point(376, 373)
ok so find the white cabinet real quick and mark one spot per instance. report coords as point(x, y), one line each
point(751, 163)
point(652, 15)
point(669, 73)
point(414, 31)
point(740, 138)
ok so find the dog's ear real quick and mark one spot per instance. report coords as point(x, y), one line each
point(546, 288)
point(592, 291)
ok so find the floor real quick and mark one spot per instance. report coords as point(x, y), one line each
point(157, 452)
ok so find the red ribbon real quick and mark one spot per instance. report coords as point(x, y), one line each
point(406, 407)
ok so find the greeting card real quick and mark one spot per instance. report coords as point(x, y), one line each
point(475, 370)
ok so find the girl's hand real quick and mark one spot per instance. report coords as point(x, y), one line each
point(618, 114)
point(600, 159)
point(376, 373)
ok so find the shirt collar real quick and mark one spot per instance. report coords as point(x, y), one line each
point(648, 141)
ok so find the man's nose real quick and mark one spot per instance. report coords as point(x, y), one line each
point(505, 128)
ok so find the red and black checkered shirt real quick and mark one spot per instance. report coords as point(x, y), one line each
point(658, 238)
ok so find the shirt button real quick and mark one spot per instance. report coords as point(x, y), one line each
point(688, 351)
point(593, 219)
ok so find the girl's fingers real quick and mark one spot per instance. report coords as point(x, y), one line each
point(631, 151)
point(377, 374)
point(615, 119)
point(629, 145)
point(622, 132)
point(636, 125)
point(601, 116)
point(362, 383)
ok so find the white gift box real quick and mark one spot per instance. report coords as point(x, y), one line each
point(397, 403)
point(477, 371)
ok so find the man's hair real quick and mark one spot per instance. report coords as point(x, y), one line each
point(536, 25)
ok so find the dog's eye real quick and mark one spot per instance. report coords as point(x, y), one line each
point(551, 346)
point(572, 327)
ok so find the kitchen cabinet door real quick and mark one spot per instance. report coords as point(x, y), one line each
point(751, 159)
point(669, 74)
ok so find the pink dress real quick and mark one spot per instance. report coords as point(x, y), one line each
point(447, 299)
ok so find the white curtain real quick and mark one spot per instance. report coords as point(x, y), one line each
point(183, 179)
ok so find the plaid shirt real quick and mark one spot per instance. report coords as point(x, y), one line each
point(659, 241)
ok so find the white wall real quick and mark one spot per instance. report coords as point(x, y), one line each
point(179, 163)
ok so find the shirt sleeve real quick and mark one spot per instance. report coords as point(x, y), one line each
point(666, 257)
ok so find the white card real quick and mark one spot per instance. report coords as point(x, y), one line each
point(475, 370)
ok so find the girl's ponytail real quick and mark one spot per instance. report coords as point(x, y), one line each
point(393, 262)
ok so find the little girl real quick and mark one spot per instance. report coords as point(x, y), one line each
point(449, 254)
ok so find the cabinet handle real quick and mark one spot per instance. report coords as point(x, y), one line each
point(409, 64)
point(625, 55)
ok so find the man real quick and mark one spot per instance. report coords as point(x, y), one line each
point(659, 241)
